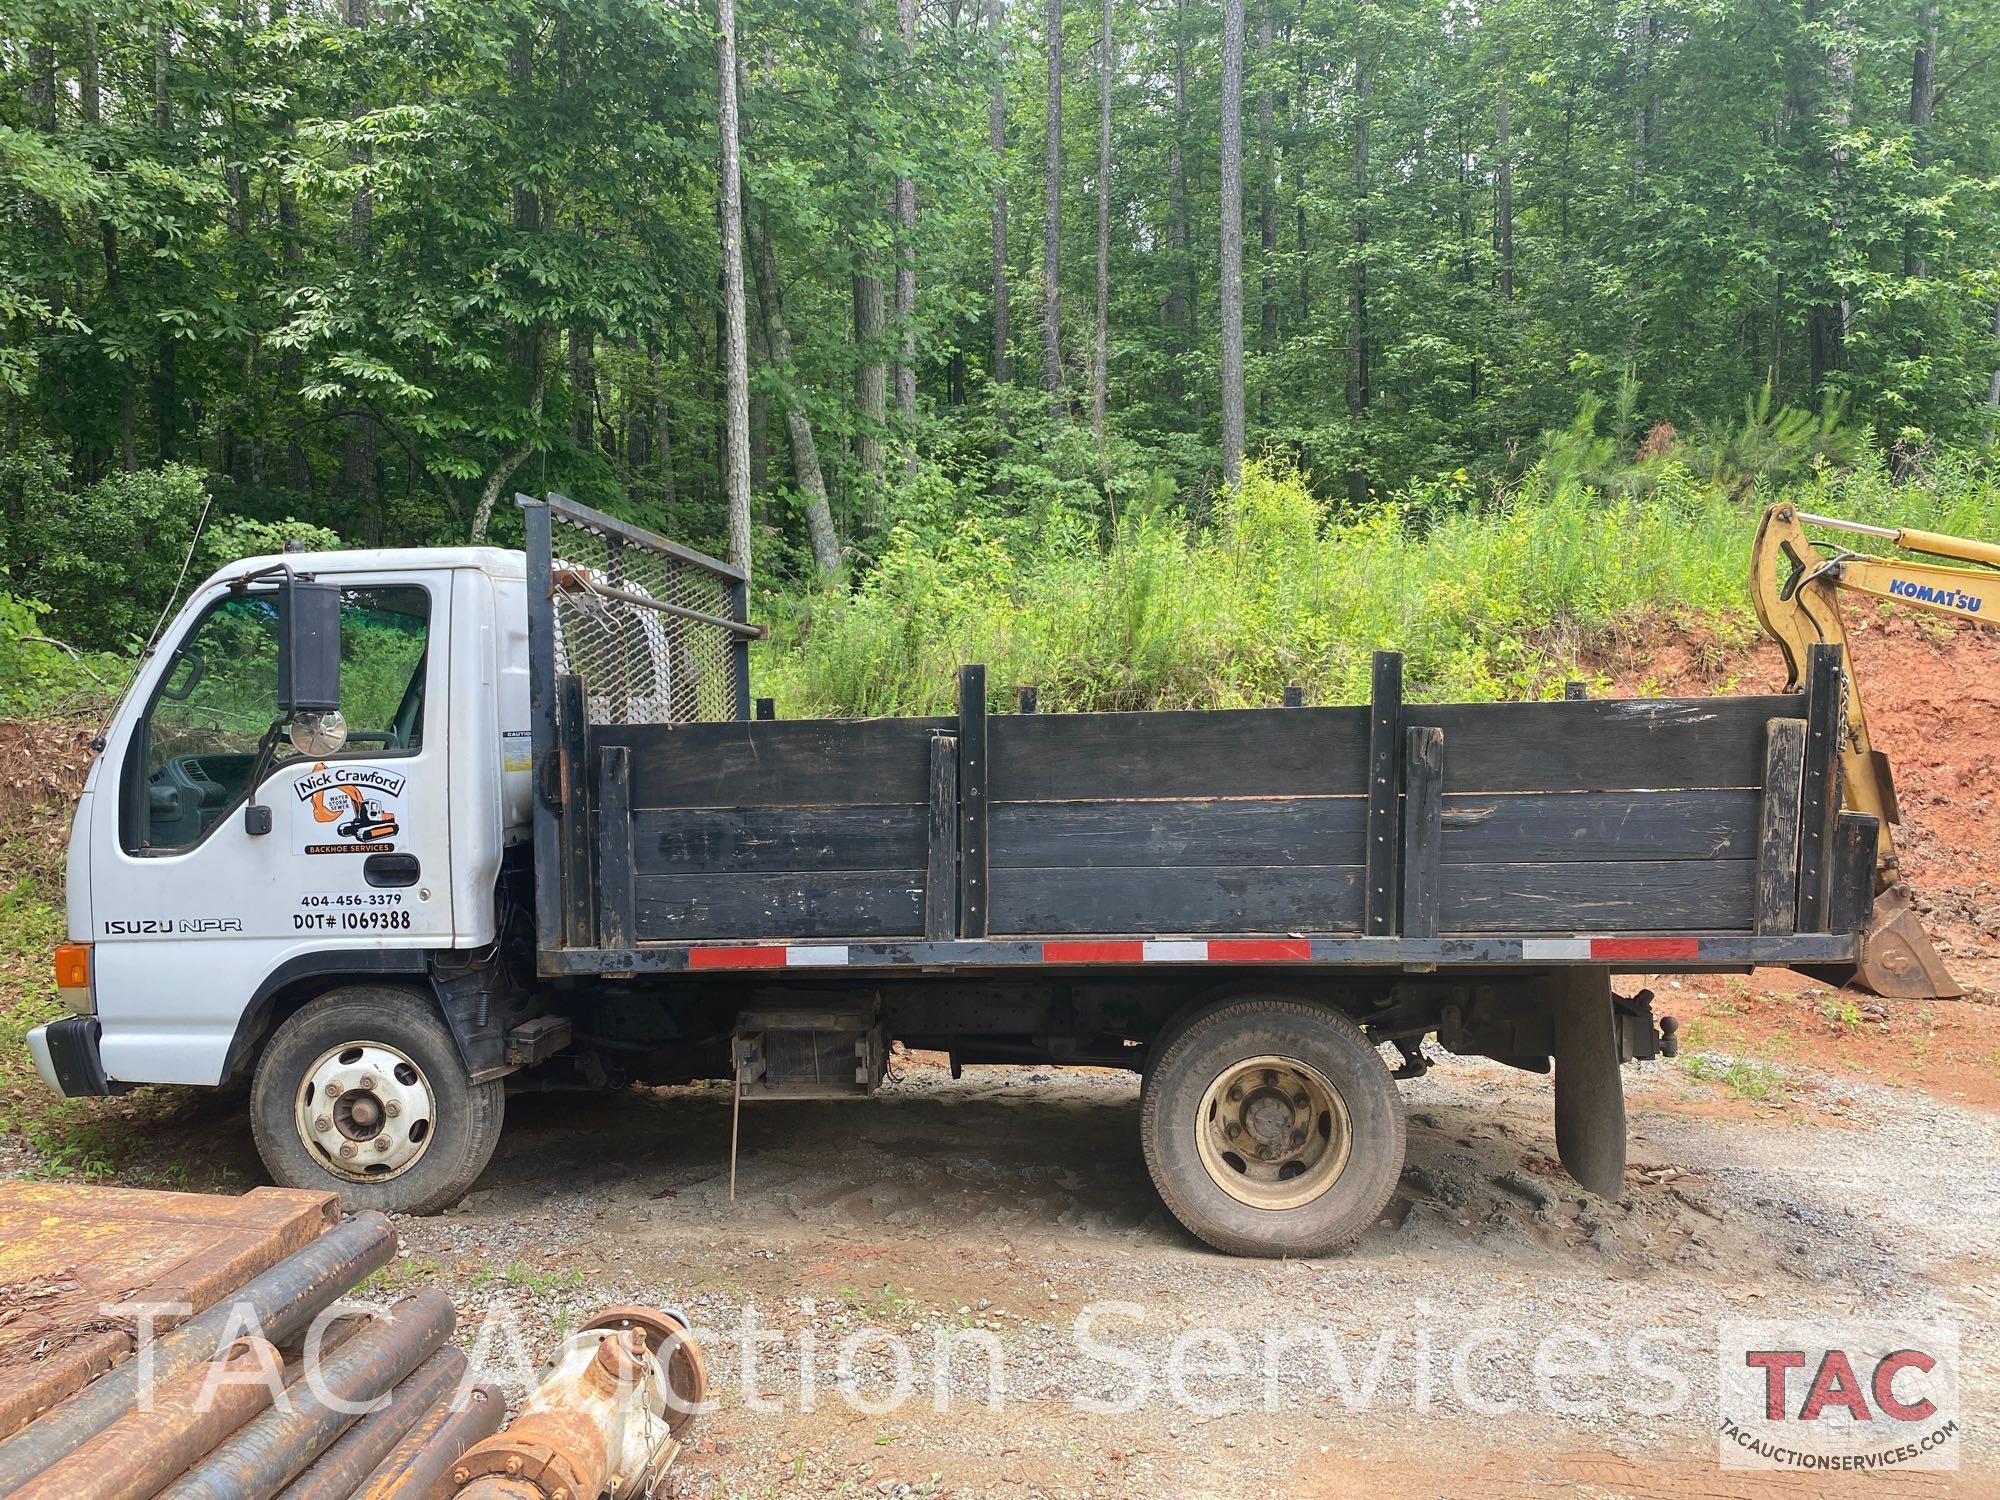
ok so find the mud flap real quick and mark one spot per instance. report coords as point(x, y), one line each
point(1590, 1091)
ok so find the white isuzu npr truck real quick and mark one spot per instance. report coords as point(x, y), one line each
point(384, 832)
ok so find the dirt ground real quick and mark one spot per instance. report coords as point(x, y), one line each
point(1812, 1153)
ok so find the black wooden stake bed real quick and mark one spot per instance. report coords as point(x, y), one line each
point(1013, 885)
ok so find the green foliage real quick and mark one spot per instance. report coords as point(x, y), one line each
point(1489, 594)
point(42, 679)
point(374, 266)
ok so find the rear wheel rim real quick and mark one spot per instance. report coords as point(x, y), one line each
point(1273, 1132)
point(365, 1112)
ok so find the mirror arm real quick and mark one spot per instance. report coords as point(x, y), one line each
point(256, 816)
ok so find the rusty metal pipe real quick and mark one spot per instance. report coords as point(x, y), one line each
point(429, 1451)
point(500, 1487)
point(279, 1304)
point(271, 1451)
point(144, 1450)
point(338, 1471)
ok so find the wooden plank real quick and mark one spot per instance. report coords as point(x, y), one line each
point(1178, 831)
point(941, 842)
point(1607, 744)
point(1778, 828)
point(1819, 787)
point(1179, 899)
point(1423, 831)
point(1658, 895)
point(1525, 827)
point(1295, 696)
point(777, 763)
point(573, 831)
point(70, 1254)
point(1852, 900)
point(1575, 691)
point(1236, 752)
point(1385, 750)
point(1030, 700)
point(614, 847)
point(770, 840)
point(973, 781)
point(823, 904)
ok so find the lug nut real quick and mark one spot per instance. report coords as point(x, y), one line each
point(392, 1109)
point(367, 1081)
point(1232, 1130)
point(381, 1143)
point(333, 1091)
point(1298, 1138)
point(1235, 1092)
point(347, 1149)
point(1300, 1101)
point(322, 1124)
point(461, 1475)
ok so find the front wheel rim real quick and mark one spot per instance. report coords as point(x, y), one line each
point(365, 1112)
point(1273, 1132)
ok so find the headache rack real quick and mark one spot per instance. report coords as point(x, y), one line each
point(625, 628)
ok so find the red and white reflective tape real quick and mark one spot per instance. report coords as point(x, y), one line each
point(1083, 951)
point(1620, 949)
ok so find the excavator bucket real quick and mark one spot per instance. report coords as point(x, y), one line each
point(1897, 959)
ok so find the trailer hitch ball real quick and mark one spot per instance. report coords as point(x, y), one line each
point(1670, 1036)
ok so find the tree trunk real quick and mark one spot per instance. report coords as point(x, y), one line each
point(1099, 373)
point(1267, 197)
point(1923, 110)
point(736, 351)
point(906, 271)
point(1232, 242)
point(663, 431)
point(760, 417)
point(996, 134)
point(1052, 371)
point(1503, 227)
point(582, 387)
point(805, 452)
point(1827, 330)
point(489, 495)
point(1357, 288)
point(870, 383)
point(1180, 270)
point(166, 374)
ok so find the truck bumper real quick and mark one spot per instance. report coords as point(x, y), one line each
point(66, 1055)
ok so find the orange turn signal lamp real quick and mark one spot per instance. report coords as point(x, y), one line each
point(73, 977)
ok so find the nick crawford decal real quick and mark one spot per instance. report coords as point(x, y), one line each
point(348, 809)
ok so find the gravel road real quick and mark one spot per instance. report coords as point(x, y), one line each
point(1479, 1340)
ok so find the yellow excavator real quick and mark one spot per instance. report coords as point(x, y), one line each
point(1796, 583)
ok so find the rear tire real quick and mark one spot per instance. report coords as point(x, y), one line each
point(362, 1093)
point(1271, 1127)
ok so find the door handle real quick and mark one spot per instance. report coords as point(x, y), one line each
point(391, 870)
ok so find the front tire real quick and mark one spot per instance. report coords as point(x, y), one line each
point(362, 1093)
point(1271, 1127)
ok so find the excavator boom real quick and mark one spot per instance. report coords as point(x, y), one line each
point(1795, 586)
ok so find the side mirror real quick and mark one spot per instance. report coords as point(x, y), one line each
point(308, 647)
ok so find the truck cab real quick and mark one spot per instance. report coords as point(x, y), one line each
point(231, 857)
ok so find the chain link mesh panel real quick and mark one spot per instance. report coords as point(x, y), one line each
point(639, 665)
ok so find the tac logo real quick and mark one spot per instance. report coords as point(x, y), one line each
point(1838, 1394)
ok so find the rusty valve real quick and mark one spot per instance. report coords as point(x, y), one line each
point(606, 1420)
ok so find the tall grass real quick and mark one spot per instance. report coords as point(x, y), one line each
point(1487, 595)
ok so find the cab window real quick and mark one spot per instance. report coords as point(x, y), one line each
point(191, 759)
